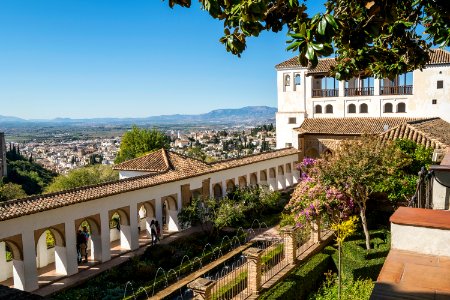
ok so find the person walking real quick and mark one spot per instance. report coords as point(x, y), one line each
point(158, 231)
point(80, 240)
point(153, 232)
point(84, 244)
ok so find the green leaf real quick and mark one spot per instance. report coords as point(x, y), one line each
point(293, 46)
point(322, 26)
point(310, 52)
point(330, 19)
point(303, 29)
point(317, 47)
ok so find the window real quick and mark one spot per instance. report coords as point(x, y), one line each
point(297, 79)
point(363, 108)
point(318, 109)
point(292, 120)
point(434, 101)
point(440, 84)
point(351, 109)
point(329, 109)
point(388, 108)
point(401, 107)
point(287, 80)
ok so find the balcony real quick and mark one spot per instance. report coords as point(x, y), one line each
point(365, 91)
point(397, 90)
point(325, 93)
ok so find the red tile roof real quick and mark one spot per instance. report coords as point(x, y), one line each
point(180, 168)
point(437, 56)
point(349, 126)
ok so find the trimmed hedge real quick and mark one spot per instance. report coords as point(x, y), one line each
point(302, 280)
point(357, 262)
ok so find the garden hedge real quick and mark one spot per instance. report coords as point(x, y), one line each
point(302, 280)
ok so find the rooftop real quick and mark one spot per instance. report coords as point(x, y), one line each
point(437, 56)
point(181, 167)
point(350, 126)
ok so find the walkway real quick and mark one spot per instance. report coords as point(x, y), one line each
point(92, 269)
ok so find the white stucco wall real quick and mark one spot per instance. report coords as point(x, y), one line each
point(424, 240)
point(297, 101)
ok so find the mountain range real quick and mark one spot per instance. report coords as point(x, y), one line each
point(244, 115)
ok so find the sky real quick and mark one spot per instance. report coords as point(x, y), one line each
point(116, 58)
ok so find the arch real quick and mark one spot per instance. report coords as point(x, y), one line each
point(287, 80)
point(123, 216)
point(298, 79)
point(50, 248)
point(387, 108)
point(170, 212)
point(311, 152)
point(318, 109)
point(263, 176)
point(351, 109)
point(329, 109)
point(253, 179)
point(51, 233)
point(280, 170)
point(13, 248)
point(217, 191)
point(230, 185)
point(401, 107)
point(363, 108)
point(94, 247)
point(149, 208)
point(242, 181)
point(171, 203)
point(288, 168)
point(272, 173)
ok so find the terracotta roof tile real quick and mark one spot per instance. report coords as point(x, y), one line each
point(181, 168)
point(155, 161)
point(434, 133)
point(437, 56)
point(349, 126)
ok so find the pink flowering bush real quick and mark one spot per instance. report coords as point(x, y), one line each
point(313, 200)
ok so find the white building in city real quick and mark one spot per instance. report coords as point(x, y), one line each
point(311, 93)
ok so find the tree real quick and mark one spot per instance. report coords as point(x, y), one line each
point(377, 37)
point(11, 191)
point(358, 167)
point(82, 177)
point(139, 141)
point(197, 153)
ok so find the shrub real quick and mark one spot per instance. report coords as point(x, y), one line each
point(360, 289)
point(301, 281)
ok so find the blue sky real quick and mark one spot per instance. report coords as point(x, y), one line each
point(116, 58)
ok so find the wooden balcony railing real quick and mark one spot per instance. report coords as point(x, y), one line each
point(365, 91)
point(397, 90)
point(325, 93)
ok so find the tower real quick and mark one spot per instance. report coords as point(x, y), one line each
point(2, 155)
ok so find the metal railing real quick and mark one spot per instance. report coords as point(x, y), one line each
point(423, 197)
point(273, 258)
point(365, 91)
point(325, 92)
point(232, 283)
point(397, 90)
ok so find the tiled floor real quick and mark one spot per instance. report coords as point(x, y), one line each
point(409, 275)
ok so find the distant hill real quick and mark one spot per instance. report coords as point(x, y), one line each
point(244, 115)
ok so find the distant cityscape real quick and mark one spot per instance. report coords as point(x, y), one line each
point(63, 155)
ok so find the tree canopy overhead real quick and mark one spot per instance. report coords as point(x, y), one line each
point(380, 37)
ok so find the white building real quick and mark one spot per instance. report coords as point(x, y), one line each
point(311, 93)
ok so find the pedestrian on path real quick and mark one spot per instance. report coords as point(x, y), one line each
point(158, 231)
point(153, 232)
point(80, 240)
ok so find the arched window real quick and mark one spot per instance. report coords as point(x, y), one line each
point(318, 109)
point(287, 80)
point(388, 108)
point(401, 107)
point(363, 108)
point(329, 109)
point(297, 79)
point(352, 109)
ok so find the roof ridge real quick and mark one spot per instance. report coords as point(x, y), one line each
point(167, 160)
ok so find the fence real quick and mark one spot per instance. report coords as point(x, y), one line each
point(267, 258)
